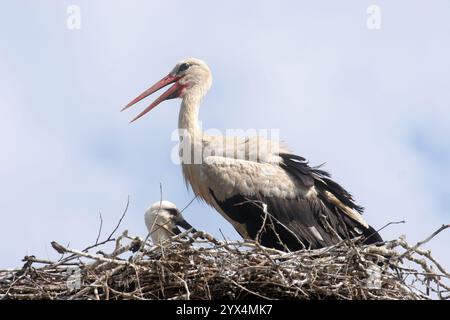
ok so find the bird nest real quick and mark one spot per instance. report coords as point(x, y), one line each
point(198, 266)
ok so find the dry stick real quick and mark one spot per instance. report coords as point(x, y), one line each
point(422, 262)
point(420, 243)
point(120, 220)
point(250, 291)
point(263, 225)
point(96, 283)
point(427, 254)
point(13, 283)
point(390, 223)
point(190, 202)
point(109, 239)
point(78, 253)
point(119, 249)
point(100, 228)
point(47, 262)
point(303, 274)
point(137, 281)
point(385, 226)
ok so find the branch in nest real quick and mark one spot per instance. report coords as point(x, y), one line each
point(198, 266)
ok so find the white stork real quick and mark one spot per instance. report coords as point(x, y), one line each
point(163, 219)
point(264, 190)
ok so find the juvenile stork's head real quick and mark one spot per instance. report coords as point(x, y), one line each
point(190, 77)
point(162, 220)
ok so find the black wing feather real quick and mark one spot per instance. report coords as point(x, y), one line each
point(294, 224)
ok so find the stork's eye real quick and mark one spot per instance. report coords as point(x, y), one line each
point(183, 67)
point(173, 211)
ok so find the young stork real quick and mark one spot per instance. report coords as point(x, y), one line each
point(162, 220)
point(265, 191)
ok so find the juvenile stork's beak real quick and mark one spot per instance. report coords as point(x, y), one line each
point(173, 92)
point(185, 225)
point(180, 222)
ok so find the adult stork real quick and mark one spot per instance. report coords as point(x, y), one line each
point(163, 219)
point(264, 190)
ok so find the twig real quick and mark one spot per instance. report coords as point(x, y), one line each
point(420, 243)
point(120, 220)
point(190, 202)
point(100, 228)
point(202, 267)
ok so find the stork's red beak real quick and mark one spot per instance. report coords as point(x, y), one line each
point(173, 92)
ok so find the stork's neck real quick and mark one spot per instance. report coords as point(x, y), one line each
point(188, 117)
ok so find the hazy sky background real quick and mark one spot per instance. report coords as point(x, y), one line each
point(373, 104)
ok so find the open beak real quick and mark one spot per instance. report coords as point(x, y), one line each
point(173, 92)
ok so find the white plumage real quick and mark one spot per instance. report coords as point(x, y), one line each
point(162, 220)
point(264, 190)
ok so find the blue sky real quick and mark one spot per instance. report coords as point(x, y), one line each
point(373, 104)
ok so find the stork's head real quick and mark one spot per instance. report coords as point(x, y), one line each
point(163, 219)
point(190, 77)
